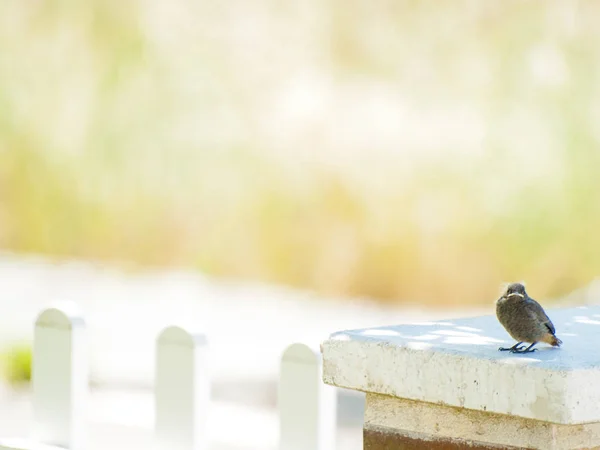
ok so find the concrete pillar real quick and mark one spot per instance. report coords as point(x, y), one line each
point(445, 385)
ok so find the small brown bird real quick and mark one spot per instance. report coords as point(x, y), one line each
point(524, 319)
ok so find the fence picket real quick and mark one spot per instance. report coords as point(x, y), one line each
point(307, 407)
point(182, 389)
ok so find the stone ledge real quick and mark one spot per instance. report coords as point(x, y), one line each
point(457, 363)
point(408, 421)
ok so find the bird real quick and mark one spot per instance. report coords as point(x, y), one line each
point(524, 319)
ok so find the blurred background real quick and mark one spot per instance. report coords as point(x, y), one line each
point(357, 162)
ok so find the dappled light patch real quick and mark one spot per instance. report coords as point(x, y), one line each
point(340, 337)
point(519, 360)
point(388, 332)
point(433, 323)
point(471, 340)
point(476, 330)
point(381, 332)
point(586, 320)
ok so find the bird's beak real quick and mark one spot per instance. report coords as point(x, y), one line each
point(515, 293)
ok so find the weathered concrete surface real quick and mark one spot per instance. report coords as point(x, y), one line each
point(398, 423)
point(457, 363)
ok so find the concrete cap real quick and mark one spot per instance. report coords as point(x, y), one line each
point(457, 363)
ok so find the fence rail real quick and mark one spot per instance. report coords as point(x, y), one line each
point(307, 407)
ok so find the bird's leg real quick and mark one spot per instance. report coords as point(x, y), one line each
point(529, 349)
point(511, 349)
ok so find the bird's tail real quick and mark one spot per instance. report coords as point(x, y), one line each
point(555, 342)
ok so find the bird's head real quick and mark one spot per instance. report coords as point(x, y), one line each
point(515, 289)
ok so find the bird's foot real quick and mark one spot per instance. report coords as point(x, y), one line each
point(518, 348)
point(523, 350)
point(515, 348)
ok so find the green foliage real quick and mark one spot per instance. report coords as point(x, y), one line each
point(16, 362)
point(186, 134)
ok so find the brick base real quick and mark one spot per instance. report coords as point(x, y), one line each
point(380, 438)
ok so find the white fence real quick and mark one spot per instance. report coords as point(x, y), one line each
point(307, 407)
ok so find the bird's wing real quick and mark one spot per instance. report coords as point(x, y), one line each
point(536, 310)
